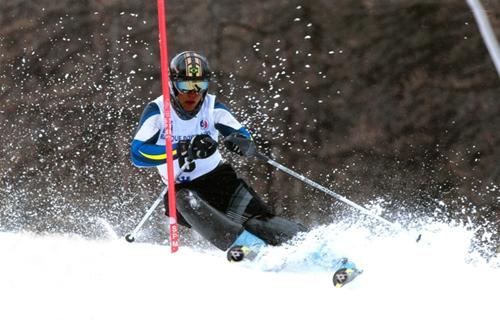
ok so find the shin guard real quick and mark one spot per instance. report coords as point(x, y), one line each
point(213, 225)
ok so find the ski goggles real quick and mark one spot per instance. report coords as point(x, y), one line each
point(190, 85)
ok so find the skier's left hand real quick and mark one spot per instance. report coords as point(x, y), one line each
point(240, 144)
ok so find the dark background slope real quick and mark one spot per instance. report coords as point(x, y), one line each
point(392, 100)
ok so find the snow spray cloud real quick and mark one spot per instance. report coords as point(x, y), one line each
point(69, 92)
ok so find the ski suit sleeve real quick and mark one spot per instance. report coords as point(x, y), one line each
point(225, 122)
point(144, 151)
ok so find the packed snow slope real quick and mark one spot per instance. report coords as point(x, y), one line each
point(68, 284)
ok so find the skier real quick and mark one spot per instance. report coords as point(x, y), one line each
point(211, 198)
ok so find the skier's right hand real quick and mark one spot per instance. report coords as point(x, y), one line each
point(201, 146)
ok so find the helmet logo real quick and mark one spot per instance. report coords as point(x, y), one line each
point(193, 69)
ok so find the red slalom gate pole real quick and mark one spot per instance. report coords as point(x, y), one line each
point(162, 27)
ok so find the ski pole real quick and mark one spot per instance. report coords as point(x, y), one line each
point(486, 31)
point(130, 237)
point(319, 187)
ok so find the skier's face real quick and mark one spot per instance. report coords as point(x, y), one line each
point(189, 101)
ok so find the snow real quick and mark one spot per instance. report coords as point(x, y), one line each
point(62, 283)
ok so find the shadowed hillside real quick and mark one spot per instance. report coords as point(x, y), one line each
point(378, 100)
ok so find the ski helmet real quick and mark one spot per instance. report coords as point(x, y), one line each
point(188, 71)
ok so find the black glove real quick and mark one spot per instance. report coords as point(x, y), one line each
point(240, 144)
point(201, 146)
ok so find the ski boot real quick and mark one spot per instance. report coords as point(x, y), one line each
point(346, 272)
point(246, 246)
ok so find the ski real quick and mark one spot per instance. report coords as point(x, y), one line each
point(344, 270)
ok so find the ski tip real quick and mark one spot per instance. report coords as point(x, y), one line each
point(345, 275)
point(237, 253)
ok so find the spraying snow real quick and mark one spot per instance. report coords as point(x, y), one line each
point(65, 283)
